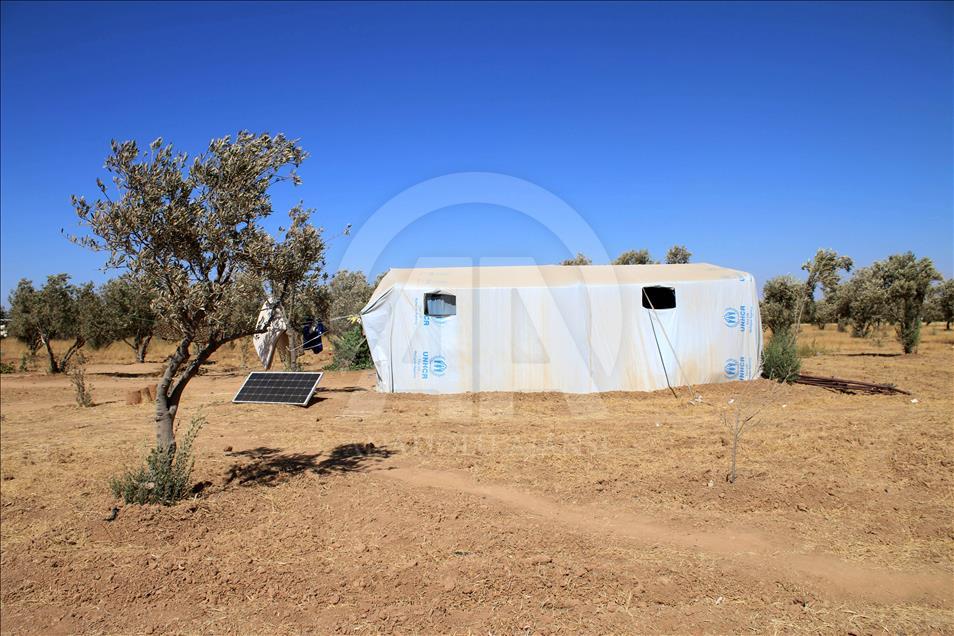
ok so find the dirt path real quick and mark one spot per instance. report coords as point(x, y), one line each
point(772, 557)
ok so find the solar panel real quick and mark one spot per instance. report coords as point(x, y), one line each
point(274, 387)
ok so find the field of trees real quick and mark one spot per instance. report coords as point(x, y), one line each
point(524, 513)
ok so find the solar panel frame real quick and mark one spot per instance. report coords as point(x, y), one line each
point(278, 387)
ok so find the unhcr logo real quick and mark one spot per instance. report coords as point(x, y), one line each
point(438, 366)
point(731, 368)
point(437, 320)
point(731, 317)
point(737, 318)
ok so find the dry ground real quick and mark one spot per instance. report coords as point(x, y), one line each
point(500, 513)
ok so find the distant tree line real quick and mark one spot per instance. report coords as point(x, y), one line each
point(123, 310)
point(676, 255)
point(901, 290)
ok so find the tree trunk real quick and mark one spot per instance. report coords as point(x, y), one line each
point(54, 367)
point(948, 326)
point(76, 346)
point(165, 407)
point(293, 350)
point(736, 432)
point(169, 393)
point(142, 345)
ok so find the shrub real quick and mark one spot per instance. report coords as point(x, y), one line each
point(6, 367)
point(84, 394)
point(164, 479)
point(780, 359)
point(736, 424)
point(351, 350)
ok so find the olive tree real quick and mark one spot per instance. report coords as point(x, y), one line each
point(678, 255)
point(906, 280)
point(823, 270)
point(57, 311)
point(579, 259)
point(862, 301)
point(939, 306)
point(303, 303)
point(127, 313)
point(193, 232)
point(349, 292)
point(781, 302)
point(634, 257)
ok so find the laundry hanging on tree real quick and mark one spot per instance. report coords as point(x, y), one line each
point(275, 336)
point(311, 334)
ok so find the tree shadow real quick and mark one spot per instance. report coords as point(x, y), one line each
point(105, 402)
point(271, 466)
point(348, 458)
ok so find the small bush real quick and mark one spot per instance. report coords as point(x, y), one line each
point(780, 359)
point(24, 363)
point(351, 350)
point(6, 367)
point(163, 479)
point(83, 392)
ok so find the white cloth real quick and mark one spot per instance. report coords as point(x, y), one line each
point(268, 342)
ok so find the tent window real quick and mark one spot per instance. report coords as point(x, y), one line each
point(440, 305)
point(659, 298)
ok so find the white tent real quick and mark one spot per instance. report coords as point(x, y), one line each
point(562, 328)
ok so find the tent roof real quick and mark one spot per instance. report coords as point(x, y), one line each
point(554, 275)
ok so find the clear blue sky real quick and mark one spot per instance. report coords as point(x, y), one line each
point(752, 133)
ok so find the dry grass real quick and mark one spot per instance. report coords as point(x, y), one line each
point(551, 512)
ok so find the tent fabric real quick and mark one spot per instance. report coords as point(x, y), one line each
point(274, 337)
point(575, 329)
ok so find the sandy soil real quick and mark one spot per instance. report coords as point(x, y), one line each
point(500, 513)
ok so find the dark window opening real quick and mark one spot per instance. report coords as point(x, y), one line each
point(659, 298)
point(440, 305)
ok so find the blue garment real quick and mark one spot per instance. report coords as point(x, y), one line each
point(311, 336)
